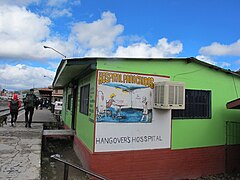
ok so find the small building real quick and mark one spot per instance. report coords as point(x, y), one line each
point(157, 118)
point(46, 95)
point(57, 95)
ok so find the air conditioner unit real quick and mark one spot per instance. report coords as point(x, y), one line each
point(169, 95)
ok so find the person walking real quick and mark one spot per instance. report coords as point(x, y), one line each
point(37, 103)
point(14, 106)
point(29, 104)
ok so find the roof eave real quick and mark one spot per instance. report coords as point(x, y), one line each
point(69, 69)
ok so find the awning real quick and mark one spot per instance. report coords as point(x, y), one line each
point(235, 104)
point(69, 69)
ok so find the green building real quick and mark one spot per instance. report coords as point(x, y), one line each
point(161, 118)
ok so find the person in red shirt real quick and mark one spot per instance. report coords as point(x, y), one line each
point(14, 106)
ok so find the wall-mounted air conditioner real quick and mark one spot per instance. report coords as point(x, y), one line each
point(169, 95)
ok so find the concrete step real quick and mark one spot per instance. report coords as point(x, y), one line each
point(58, 132)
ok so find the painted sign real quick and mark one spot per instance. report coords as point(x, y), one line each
point(125, 117)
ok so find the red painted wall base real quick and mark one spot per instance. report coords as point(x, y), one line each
point(153, 164)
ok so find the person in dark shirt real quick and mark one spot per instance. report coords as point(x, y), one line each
point(29, 104)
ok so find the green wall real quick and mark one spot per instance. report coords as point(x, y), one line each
point(189, 133)
point(85, 123)
point(66, 113)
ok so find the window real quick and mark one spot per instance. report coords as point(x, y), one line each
point(69, 101)
point(197, 105)
point(84, 99)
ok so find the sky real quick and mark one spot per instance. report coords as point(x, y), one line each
point(208, 30)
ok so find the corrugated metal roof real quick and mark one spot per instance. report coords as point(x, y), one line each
point(70, 68)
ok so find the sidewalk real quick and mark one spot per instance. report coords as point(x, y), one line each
point(20, 148)
point(39, 116)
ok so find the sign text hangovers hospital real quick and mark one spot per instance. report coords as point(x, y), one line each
point(128, 139)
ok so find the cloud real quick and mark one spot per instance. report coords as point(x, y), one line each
point(218, 52)
point(98, 38)
point(56, 2)
point(21, 33)
point(75, 2)
point(98, 34)
point(210, 60)
point(101, 38)
point(53, 65)
point(24, 33)
point(98, 52)
point(225, 64)
point(55, 13)
point(24, 77)
point(206, 59)
point(162, 49)
point(217, 49)
point(130, 39)
point(18, 2)
point(57, 8)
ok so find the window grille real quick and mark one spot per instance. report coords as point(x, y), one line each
point(197, 105)
point(84, 99)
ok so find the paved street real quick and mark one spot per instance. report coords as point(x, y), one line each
point(20, 147)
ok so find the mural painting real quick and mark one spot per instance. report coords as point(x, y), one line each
point(124, 98)
point(125, 117)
